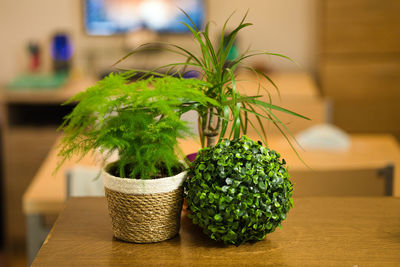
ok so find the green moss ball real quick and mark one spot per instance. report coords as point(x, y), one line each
point(238, 191)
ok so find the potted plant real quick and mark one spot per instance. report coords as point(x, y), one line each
point(141, 121)
point(229, 114)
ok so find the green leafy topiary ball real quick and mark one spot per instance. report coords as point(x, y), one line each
point(238, 191)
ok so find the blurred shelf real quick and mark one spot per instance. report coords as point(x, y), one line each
point(46, 96)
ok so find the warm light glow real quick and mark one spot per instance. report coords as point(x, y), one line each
point(157, 13)
point(124, 13)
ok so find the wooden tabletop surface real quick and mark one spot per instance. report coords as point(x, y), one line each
point(317, 231)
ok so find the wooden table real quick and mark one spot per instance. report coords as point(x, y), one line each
point(317, 231)
point(46, 194)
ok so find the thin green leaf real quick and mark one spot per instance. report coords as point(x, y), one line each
point(211, 48)
point(221, 43)
point(203, 47)
point(257, 72)
point(258, 133)
point(144, 48)
point(271, 106)
point(252, 110)
point(278, 121)
point(190, 19)
point(237, 120)
point(290, 144)
point(245, 119)
point(231, 40)
point(240, 98)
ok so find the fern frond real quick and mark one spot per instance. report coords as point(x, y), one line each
point(141, 120)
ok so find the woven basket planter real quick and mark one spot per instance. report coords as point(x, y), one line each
point(144, 211)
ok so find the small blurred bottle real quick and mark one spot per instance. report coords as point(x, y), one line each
point(34, 53)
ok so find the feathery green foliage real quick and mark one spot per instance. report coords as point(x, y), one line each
point(212, 63)
point(139, 120)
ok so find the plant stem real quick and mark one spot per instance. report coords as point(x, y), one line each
point(211, 140)
point(210, 131)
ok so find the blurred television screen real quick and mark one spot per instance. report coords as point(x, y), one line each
point(108, 17)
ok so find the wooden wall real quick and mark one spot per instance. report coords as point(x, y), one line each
point(359, 63)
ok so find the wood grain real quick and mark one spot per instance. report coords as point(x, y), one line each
point(367, 116)
point(318, 231)
point(367, 182)
point(361, 26)
point(359, 63)
point(361, 78)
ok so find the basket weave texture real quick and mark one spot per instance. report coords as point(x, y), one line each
point(145, 218)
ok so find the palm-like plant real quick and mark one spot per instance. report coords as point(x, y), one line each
point(215, 69)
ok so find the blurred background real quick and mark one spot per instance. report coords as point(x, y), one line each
point(348, 83)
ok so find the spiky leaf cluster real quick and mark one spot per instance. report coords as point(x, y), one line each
point(140, 120)
point(231, 116)
point(238, 191)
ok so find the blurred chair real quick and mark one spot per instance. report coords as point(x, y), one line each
point(341, 183)
point(84, 182)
